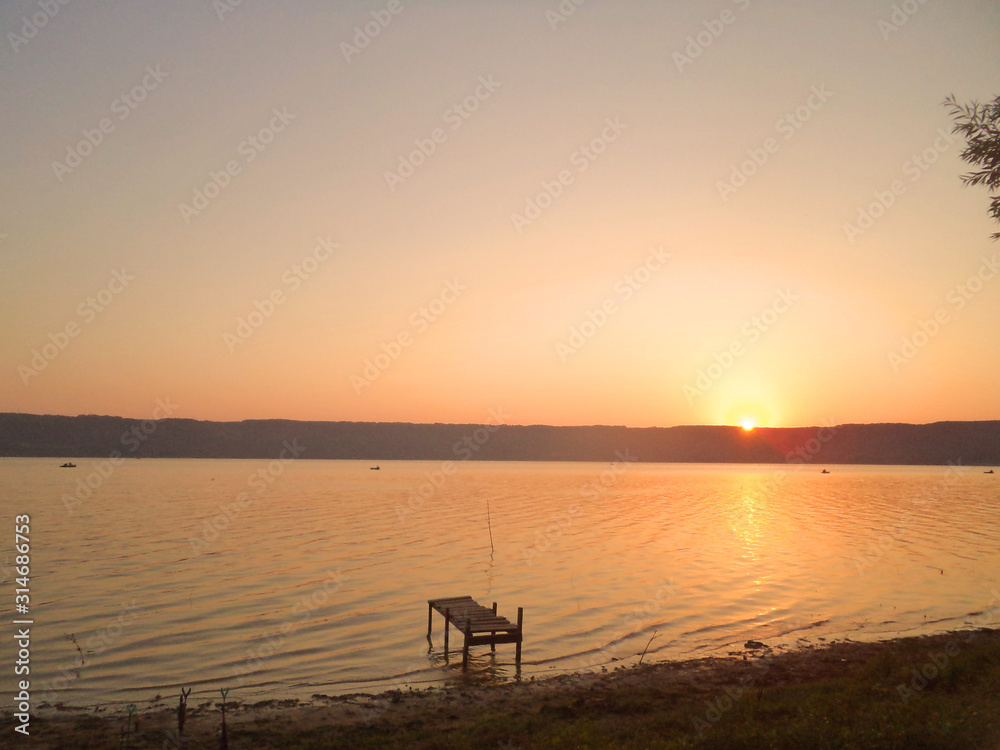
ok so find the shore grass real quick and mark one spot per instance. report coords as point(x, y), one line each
point(940, 691)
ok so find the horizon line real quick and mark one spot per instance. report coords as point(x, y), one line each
point(505, 424)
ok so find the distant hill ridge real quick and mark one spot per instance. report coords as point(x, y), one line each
point(968, 443)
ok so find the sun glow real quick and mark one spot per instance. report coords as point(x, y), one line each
point(748, 424)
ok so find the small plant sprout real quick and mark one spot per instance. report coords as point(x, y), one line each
point(223, 738)
point(182, 710)
point(127, 729)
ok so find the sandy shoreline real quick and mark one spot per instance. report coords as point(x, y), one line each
point(707, 697)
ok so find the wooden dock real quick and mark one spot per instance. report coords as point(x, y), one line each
point(479, 625)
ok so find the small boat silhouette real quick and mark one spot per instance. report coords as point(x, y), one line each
point(824, 472)
point(374, 468)
point(67, 465)
point(988, 472)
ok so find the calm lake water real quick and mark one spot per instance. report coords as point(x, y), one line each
point(314, 578)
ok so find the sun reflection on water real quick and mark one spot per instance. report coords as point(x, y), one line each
point(747, 521)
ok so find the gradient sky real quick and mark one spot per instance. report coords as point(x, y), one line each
point(816, 313)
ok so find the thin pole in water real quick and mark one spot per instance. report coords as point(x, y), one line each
point(489, 525)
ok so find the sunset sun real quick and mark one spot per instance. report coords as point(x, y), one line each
point(748, 424)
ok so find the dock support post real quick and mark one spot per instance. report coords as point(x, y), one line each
point(430, 613)
point(520, 622)
point(465, 646)
point(447, 618)
point(493, 646)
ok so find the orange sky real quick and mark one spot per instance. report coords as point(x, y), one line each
point(642, 213)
